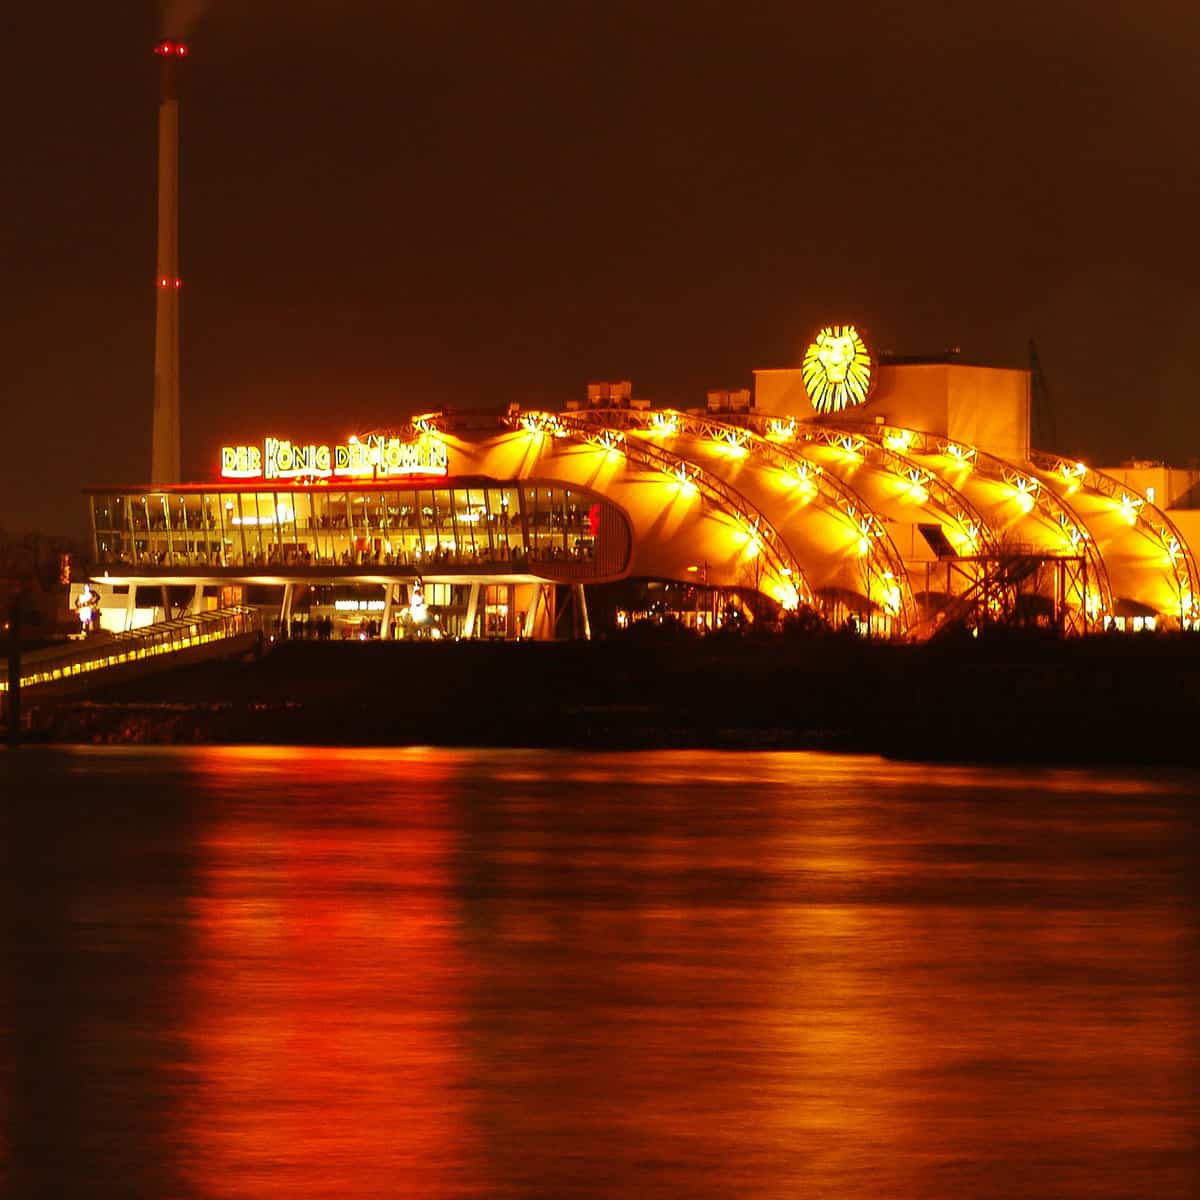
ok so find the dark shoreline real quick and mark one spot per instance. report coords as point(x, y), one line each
point(1006, 699)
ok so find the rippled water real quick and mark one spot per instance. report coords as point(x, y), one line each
point(438, 973)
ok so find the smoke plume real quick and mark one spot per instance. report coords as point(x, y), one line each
point(179, 17)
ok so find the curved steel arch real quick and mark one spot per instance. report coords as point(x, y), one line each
point(954, 504)
point(793, 582)
point(1051, 507)
point(1160, 530)
point(883, 561)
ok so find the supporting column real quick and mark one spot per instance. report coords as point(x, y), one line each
point(198, 599)
point(14, 671)
point(531, 611)
point(285, 612)
point(472, 610)
point(385, 627)
point(130, 605)
point(581, 603)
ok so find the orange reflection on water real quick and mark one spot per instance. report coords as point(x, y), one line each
point(875, 984)
point(439, 974)
point(328, 988)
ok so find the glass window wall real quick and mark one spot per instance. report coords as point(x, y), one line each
point(500, 527)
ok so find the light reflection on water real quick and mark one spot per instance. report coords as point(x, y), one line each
point(439, 973)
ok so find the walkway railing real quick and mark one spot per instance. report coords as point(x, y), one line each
point(102, 651)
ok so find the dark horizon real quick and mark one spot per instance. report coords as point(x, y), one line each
point(392, 210)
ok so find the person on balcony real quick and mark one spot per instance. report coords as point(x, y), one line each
point(87, 608)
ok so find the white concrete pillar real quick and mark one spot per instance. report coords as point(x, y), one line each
point(539, 595)
point(581, 601)
point(472, 611)
point(385, 625)
point(285, 612)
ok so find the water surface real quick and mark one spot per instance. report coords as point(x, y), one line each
point(442, 973)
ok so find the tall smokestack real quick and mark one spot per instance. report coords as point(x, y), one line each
point(164, 450)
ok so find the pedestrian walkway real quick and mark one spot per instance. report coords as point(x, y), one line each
point(163, 643)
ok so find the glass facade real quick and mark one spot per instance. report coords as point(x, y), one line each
point(534, 527)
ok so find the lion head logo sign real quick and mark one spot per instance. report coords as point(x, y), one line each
point(838, 370)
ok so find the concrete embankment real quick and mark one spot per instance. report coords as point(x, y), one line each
point(1118, 699)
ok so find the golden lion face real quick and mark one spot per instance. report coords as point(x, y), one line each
point(836, 355)
point(837, 369)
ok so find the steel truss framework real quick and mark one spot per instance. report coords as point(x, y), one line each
point(1096, 600)
point(975, 531)
point(990, 575)
point(886, 578)
point(1147, 518)
point(972, 525)
point(793, 588)
point(996, 584)
point(987, 572)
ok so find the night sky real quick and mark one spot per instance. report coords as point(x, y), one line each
point(394, 207)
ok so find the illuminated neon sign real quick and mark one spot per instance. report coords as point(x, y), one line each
point(241, 462)
point(838, 370)
point(374, 457)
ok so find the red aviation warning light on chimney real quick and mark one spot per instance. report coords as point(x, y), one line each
point(168, 49)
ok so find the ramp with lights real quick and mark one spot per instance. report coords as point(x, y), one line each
point(101, 659)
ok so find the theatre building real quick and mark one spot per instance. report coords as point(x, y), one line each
point(897, 499)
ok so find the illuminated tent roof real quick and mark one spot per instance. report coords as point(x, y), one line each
point(804, 505)
point(905, 493)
